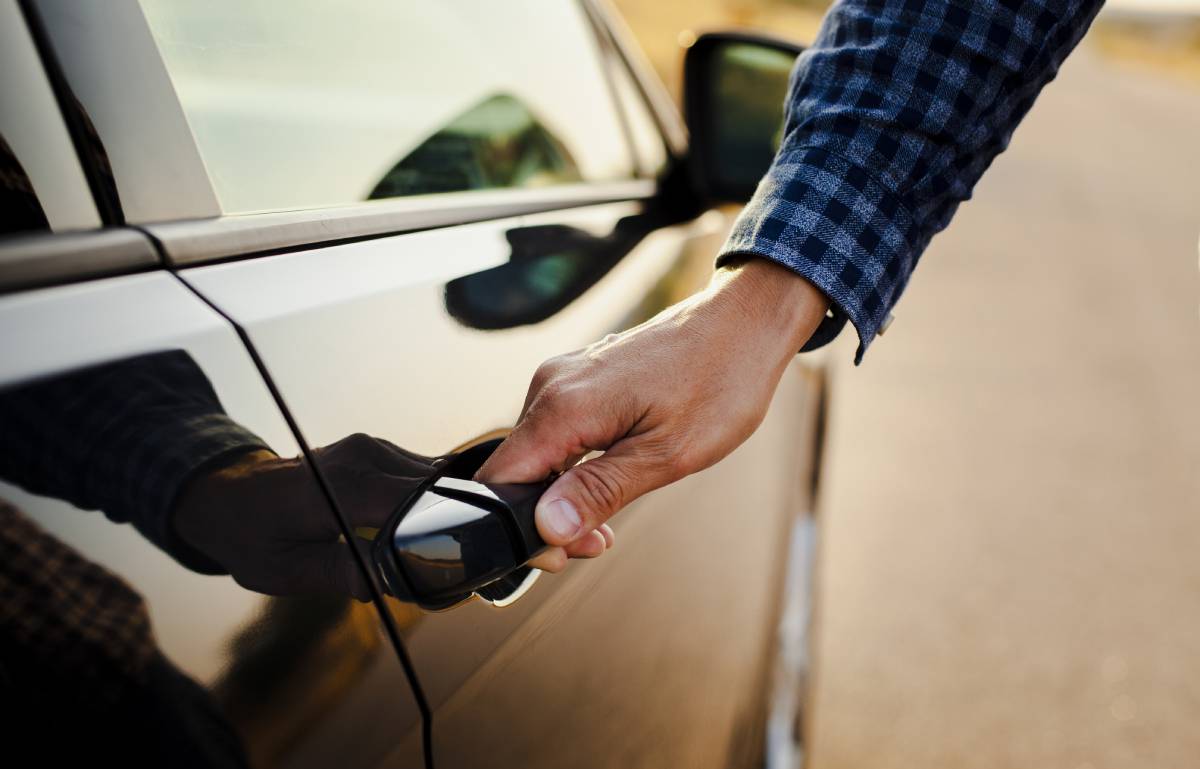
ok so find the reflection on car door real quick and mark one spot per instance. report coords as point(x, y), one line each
point(651, 655)
point(221, 675)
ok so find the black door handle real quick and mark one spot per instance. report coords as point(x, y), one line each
point(454, 537)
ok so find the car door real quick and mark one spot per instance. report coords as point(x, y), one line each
point(275, 681)
point(648, 656)
point(656, 647)
point(405, 210)
point(110, 646)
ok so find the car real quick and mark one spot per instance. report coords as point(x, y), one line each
point(366, 226)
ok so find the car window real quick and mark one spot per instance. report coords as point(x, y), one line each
point(308, 103)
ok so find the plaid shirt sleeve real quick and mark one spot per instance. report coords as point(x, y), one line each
point(123, 437)
point(893, 115)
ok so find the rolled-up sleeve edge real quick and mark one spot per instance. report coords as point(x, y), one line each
point(834, 223)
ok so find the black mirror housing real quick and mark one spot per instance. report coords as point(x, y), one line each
point(735, 85)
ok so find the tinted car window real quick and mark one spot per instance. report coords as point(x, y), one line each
point(303, 104)
point(496, 143)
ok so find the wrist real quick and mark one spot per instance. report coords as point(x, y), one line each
point(772, 299)
point(210, 489)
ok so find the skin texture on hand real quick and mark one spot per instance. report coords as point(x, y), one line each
point(665, 399)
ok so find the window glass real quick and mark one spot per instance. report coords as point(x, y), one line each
point(305, 103)
point(20, 209)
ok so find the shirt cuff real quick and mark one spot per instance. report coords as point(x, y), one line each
point(830, 221)
point(178, 451)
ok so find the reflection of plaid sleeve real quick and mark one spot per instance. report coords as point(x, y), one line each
point(893, 115)
point(123, 438)
point(71, 618)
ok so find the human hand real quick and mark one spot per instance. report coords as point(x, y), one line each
point(265, 520)
point(665, 399)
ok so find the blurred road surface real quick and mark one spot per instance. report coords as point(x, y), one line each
point(1010, 574)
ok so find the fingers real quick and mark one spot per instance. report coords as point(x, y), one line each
point(560, 423)
point(552, 559)
point(587, 495)
point(610, 537)
point(343, 573)
point(594, 545)
point(590, 546)
point(370, 476)
point(528, 454)
point(606, 533)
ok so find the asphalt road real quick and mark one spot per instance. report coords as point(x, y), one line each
point(1010, 567)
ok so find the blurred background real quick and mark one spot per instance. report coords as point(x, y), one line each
point(1010, 564)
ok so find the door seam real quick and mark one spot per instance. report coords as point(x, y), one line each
point(326, 491)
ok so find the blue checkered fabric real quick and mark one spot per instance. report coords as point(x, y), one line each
point(893, 115)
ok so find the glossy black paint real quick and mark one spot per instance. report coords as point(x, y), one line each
point(235, 677)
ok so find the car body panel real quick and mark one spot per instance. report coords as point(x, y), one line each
point(505, 684)
point(301, 680)
point(420, 320)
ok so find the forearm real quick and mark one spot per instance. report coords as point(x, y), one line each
point(893, 115)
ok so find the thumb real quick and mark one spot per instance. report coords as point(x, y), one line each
point(591, 492)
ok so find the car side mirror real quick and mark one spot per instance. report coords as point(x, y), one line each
point(735, 85)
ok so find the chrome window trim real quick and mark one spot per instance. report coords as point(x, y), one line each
point(607, 57)
point(42, 259)
point(198, 241)
point(165, 188)
point(662, 106)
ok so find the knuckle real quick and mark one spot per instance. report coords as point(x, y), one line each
point(540, 377)
point(352, 444)
point(550, 393)
point(607, 340)
point(561, 397)
point(546, 372)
